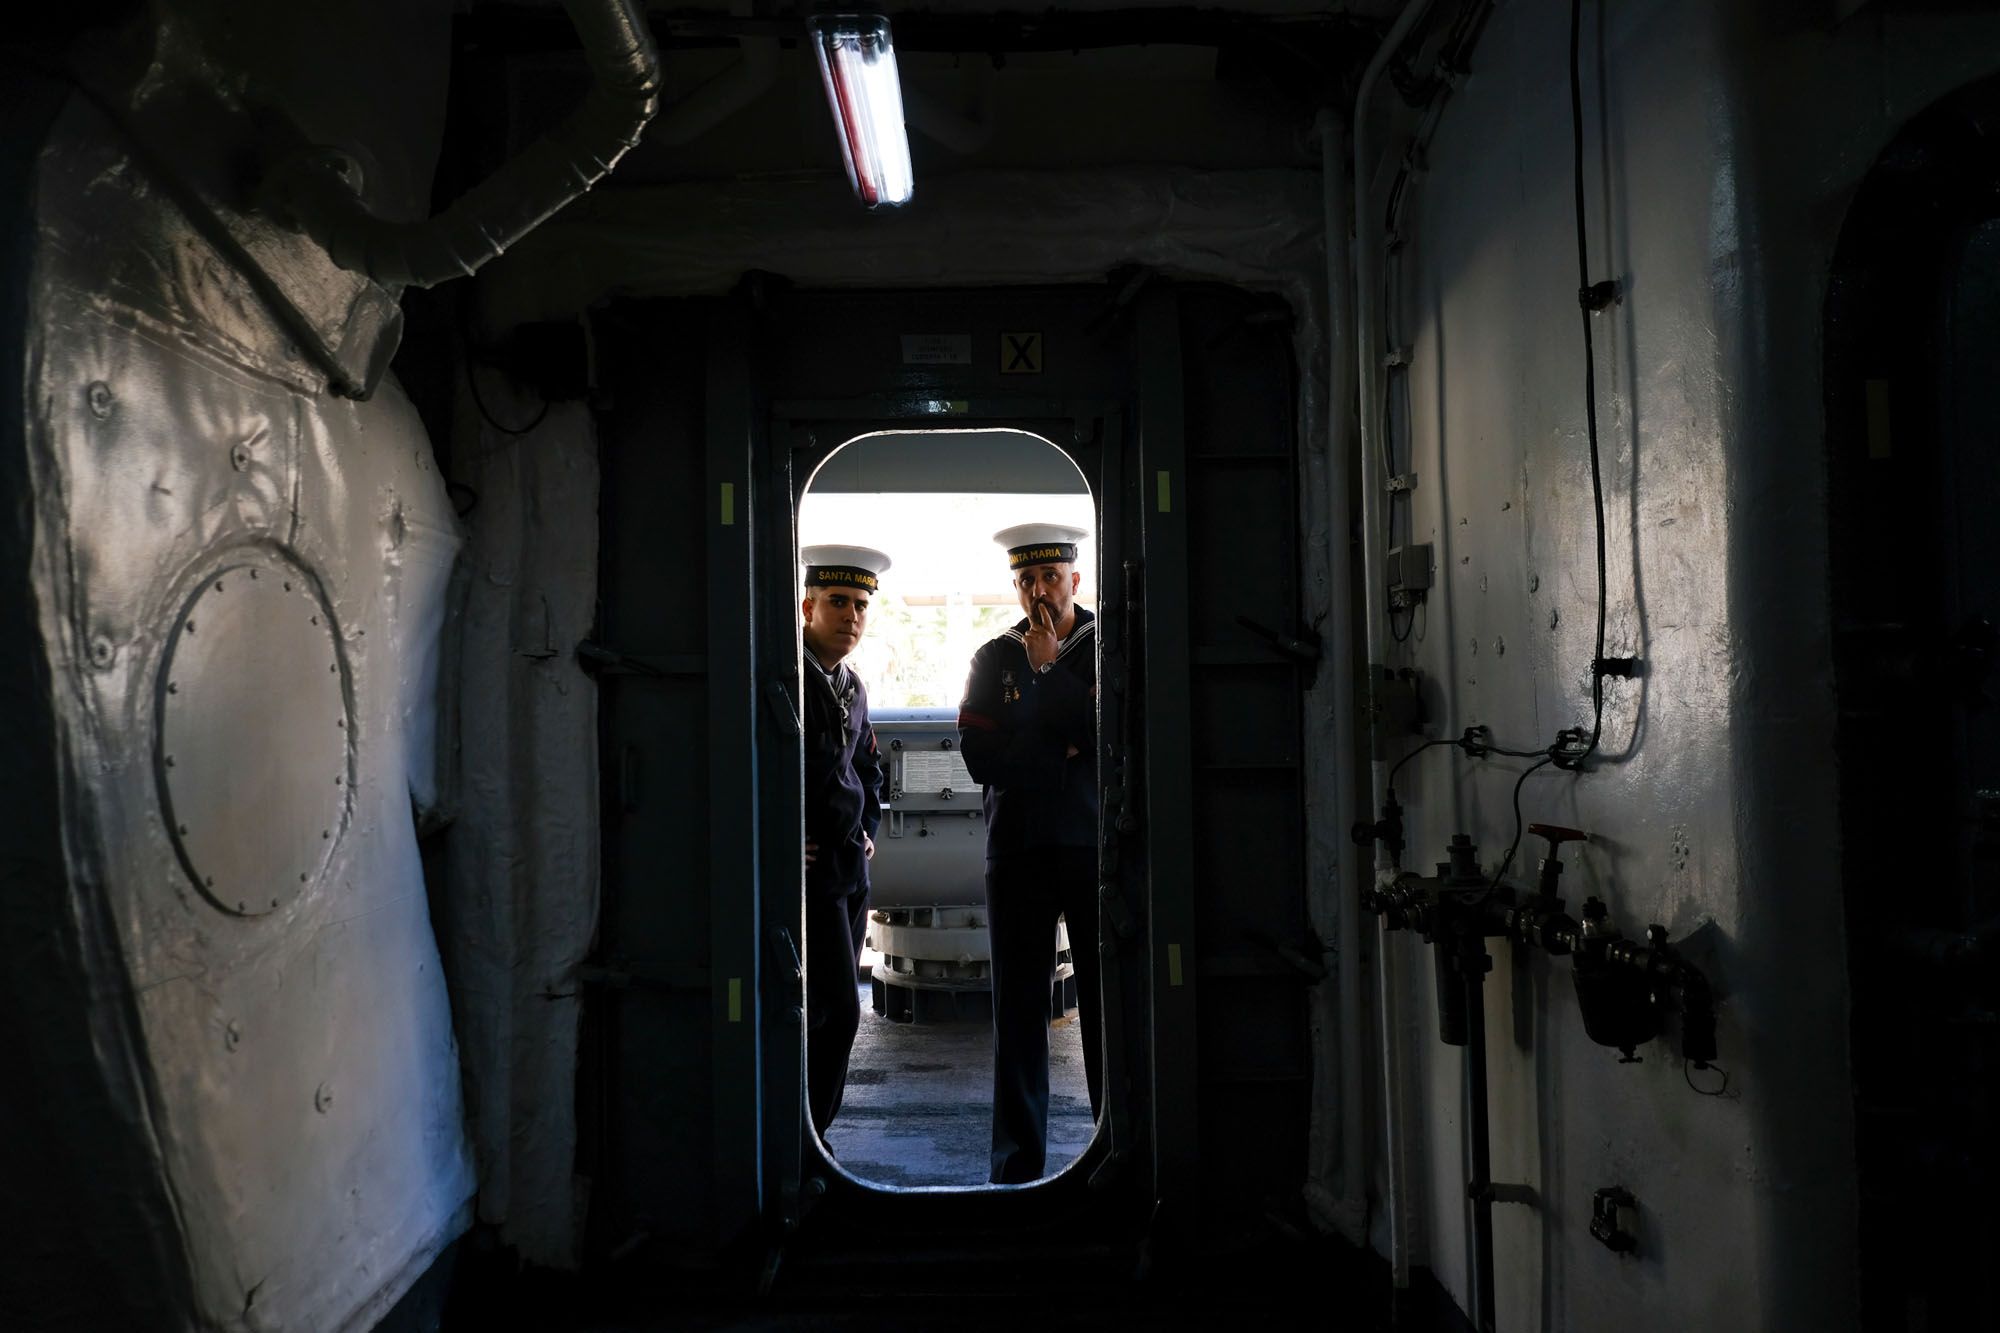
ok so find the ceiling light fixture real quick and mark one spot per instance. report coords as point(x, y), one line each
point(857, 64)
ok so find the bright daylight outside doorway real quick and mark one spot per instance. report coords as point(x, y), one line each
point(918, 1103)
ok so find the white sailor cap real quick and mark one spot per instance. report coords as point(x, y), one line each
point(1040, 543)
point(844, 566)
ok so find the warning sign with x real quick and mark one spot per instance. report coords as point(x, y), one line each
point(1020, 353)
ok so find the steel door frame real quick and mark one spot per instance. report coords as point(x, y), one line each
point(1141, 1180)
point(801, 435)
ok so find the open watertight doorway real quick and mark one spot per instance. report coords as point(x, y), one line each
point(1178, 409)
point(916, 1090)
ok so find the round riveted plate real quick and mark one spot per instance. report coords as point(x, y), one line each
point(252, 737)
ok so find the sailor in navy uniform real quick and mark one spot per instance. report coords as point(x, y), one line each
point(1028, 731)
point(843, 807)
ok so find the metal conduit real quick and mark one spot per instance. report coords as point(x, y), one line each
point(1350, 1210)
point(313, 194)
point(1368, 360)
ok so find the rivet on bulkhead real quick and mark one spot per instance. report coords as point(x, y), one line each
point(99, 398)
point(232, 1035)
point(239, 457)
point(322, 1097)
point(102, 651)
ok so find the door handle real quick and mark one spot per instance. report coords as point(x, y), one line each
point(785, 954)
point(780, 700)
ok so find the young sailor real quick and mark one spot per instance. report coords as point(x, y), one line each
point(843, 806)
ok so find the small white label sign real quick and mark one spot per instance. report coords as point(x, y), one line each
point(937, 349)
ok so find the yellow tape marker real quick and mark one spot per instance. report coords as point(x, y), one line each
point(728, 504)
point(736, 999)
point(1166, 493)
point(1173, 951)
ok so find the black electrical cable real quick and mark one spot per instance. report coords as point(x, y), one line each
point(472, 382)
point(1409, 625)
point(464, 322)
point(1584, 301)
point(1397, 767)
point(1508, 860)
point(1721, 1090)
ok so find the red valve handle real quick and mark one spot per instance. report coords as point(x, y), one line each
point(1557, 834)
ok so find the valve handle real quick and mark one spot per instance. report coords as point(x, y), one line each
point(1558, 835)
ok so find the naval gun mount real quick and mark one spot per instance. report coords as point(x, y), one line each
point(927, 894)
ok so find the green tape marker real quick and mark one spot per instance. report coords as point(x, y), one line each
point(728, 504)
point(1173, 950)
point(1166, 492)
point(736, 999)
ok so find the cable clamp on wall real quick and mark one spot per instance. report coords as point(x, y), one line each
point(1598, 295)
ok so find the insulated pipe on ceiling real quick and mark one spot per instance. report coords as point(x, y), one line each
point(312, 193)
point(723, 96)
point(1351, 1209)
point(1398, 1114)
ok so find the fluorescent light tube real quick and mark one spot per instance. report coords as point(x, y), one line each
point(857, 64)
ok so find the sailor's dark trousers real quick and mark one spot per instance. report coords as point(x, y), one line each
point(1025, 893)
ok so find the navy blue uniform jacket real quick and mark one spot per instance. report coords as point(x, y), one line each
point(843, 779)
point(1015, 727)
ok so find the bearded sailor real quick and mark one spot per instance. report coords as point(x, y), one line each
point(1028, 731)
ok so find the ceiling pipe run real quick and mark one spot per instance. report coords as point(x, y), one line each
point(1398, 1113)
point(723, 96)
point(317, 192)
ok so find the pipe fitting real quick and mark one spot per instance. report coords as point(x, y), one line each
point(313, 194)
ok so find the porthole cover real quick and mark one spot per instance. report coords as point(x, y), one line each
point(253, 740)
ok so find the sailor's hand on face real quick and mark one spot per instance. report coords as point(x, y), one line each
point(1041, 641)
point(867, 847)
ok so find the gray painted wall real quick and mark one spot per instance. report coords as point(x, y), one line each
point(1721, 148)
